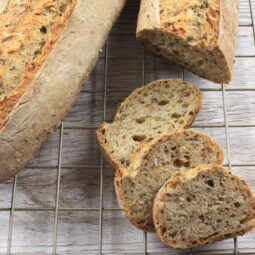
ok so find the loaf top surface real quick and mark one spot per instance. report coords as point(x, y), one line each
point(197, 21)
point(202, 205)
point(29, 30)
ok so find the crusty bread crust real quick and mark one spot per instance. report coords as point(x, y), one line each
point(41, 109)
point(111, 160)
point(176, 178)
point(8, 103)
point(136, 159)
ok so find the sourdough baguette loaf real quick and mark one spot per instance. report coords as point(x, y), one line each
point(159, 107)
point(203, 205)
point(155, 162)
point(48, 49)
point(199, 35)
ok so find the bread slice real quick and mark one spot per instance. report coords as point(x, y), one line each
point(199, 35)
point(159, 107)
point(203, 205)
point(155, 162)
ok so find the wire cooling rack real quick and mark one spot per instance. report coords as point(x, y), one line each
point(105, 90)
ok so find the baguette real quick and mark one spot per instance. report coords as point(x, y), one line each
point(48, 48)
point(203, 205)
point(156, 160)
point(159, 107)
point(199, 35)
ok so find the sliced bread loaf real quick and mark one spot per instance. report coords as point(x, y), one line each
point(159, 107)
point(199, 35)
point(203, 205)
point(155, 162)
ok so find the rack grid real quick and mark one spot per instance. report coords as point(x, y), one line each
point(101, 209)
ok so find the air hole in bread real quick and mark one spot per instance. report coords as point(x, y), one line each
point(163, 102)
point(237, 204)
point(210, 183)
point(173, 235)
point(178, 163)
point(43, 30)
point(139, 138)
point(140, 120)
point(188, 199)
point(163, 230)
point(103, 131)
point(202, 218)
point(191, 113)
point(176, 115)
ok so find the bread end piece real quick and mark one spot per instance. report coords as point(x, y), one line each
point(201, 39)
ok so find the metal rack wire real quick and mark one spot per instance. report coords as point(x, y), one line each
point(101, 209)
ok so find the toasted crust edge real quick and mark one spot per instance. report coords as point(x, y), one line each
point(136, 157)
point(192, 173)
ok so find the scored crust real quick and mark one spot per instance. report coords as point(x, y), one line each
point(136, 160)
point(40, 111)
point(8, 102)
point(189, 175)
point(112, 161)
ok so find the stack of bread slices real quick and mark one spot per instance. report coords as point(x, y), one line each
point(169, 178)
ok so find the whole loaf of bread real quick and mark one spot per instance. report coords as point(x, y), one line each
point(47, 50)
point(199, 35)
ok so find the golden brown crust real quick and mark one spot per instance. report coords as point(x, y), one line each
point(101, 141)
point(176, 178)
point(44, 105)
point(27, 20)
point(135, 161)
point(180, 22)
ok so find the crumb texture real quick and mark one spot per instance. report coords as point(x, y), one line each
point(156, 163)
point(202, 206)
point(162, 106)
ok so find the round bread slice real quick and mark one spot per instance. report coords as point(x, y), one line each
point(203, 205)
point(163, 106)
point(154, 162)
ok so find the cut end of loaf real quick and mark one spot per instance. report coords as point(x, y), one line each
point(162, 106)
point(203, 205)
point(208, 63)
point(155, 163)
